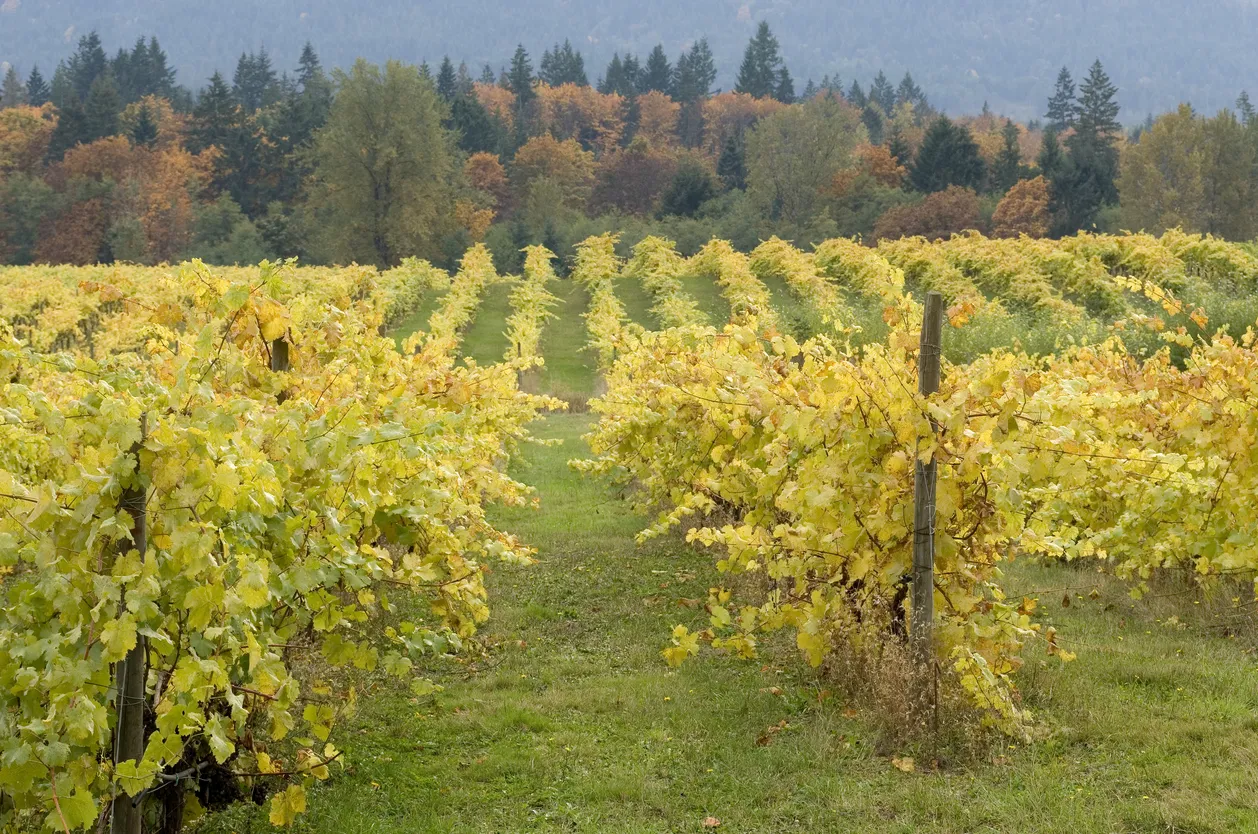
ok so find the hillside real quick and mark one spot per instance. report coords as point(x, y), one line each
point(963, 52)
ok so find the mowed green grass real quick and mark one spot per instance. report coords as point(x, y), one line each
point(571, 722)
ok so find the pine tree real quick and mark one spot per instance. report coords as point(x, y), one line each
point(948, 156)
point(161, 74)
point(144, 132)
point(856, 96)
point(874, 121)
point(446, 80)
point(309, 67)
point(86, 65)
point(215, 116)
point(909, 93)
point(37, 89)
point(696, 72)
point(12, 91)
point(658, 73)
point(731, 167)
point(1098, 105)
point(487, 75)
point(898, 146)
point(883, 94)
point(564, 65)
point(1061, 107)
point(1007, 169)
point(1051, 160)
point(255, 84)
point(101, 110)
point(70, 129)
point(760, 73)
point(621, 77)
point(474, 128)
point(1244, 107)
point(520, 77)
point(810, 91)
point(785, 90)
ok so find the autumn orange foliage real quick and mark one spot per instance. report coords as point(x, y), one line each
point(657, 119)
point(582, 113)
point(1024, 210)
point(565, 163)
point(24, 136)
point(939, 215)
point(731, 114)
point(485, 173)
point(498, 101)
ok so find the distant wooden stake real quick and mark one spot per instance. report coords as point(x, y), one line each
point(279, 354)
point(922, 622)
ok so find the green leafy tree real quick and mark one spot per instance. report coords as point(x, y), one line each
point(948, 156)
point(1061, 105)
point(474, 128)
point(793, 151)
point(384, 168)
point(619, 79)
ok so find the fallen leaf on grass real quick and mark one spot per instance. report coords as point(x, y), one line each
point(711, 822)
point(906, 764)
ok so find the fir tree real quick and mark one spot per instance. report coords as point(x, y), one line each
point(474, 128)
point(564, 65)
point(909, 93)
point(446, 80)
point(810, 91)
point(255, 84)
point(898, 146)
point(37, 89)
point(1244, 107)
point(785, 90)
point(948, 156)
point(856, 96)
point(487, 75)
point(101, 110)
point(144, 132)
point(696, 72)
point(760, 73)
point(215, 116)
point(1061, 106)
point(658, 73)
point(1007, 169)
point(309, 67)
point(621, 77)
point(874, 121)
point(70, 130)
point(731, 167)
point(12, 90)
point(1098, 105)
point(1050, 160)
point(86, 65)
point(883, 94)
point(1089, 180)
point(520, 77)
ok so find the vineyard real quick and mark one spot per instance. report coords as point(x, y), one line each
point(625, 542)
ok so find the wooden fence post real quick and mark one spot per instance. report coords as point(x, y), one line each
point(129, 741)
point(922, 622)
point(279, 354)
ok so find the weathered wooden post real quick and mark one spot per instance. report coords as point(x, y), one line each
point(131, 674)
point(922, 622)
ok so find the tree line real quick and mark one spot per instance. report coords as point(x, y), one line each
point(111, 159)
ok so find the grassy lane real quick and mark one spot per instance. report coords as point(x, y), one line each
point(637, 302)
point(798, 319)
point(486, 337)
point(418, 320)
point(569, 372)
point(707, 293)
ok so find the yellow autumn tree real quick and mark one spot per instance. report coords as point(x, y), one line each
point(657, 119)
point(1024, 210)
point(580, 112)
point(564, 163)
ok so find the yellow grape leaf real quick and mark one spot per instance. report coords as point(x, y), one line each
point(286, 806)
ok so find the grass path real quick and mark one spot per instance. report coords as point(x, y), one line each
point(486, 337)
point(570, 721)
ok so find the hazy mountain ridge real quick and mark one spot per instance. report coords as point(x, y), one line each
point(963, 53)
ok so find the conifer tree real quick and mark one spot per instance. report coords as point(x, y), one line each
point(446, 80)
point(883, 94)
point(731, 167)
point(696, 72)
point(856, 96)
point(101, 110)
point(1061, 107)
point(898, 146)
point(520, 77)
point(37, 89)
point(1007, 169)
point(144, 132)
point(760, 73)
point(785, 90)
point(909, 93)
point(12, 90)
point(1244, 107)
point(948, 156)
point(1051, 159)
point(658, 73)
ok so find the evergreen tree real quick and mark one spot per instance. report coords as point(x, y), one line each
point(856, 96)
point(1007, 169)
point(760, 73)
point(1098, 105)
point(101, 110)
point(731, 167)
point(487, 75)
point(622, 77)
point(785, 91)
point(1244, 107)
point(255, 84)
point(898, 146)
point(475, 129)
point(696, 72)
point(909, 93)
point(86, 65)
point(215, 116)
point(658, 73)
point(71, 128)
point(1089, 179)
point(948, 156)
point(1061, 107)
point(1051, 159)
point(446, 80)
point(12, 90)
point(564, 65)
point(883, 94)
point(520, 77)
point(810, 91)
point(144, 132)
point(37, 90)
point(309, 67)
point(161, 76)
point(463, 84)
point(874, 121)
